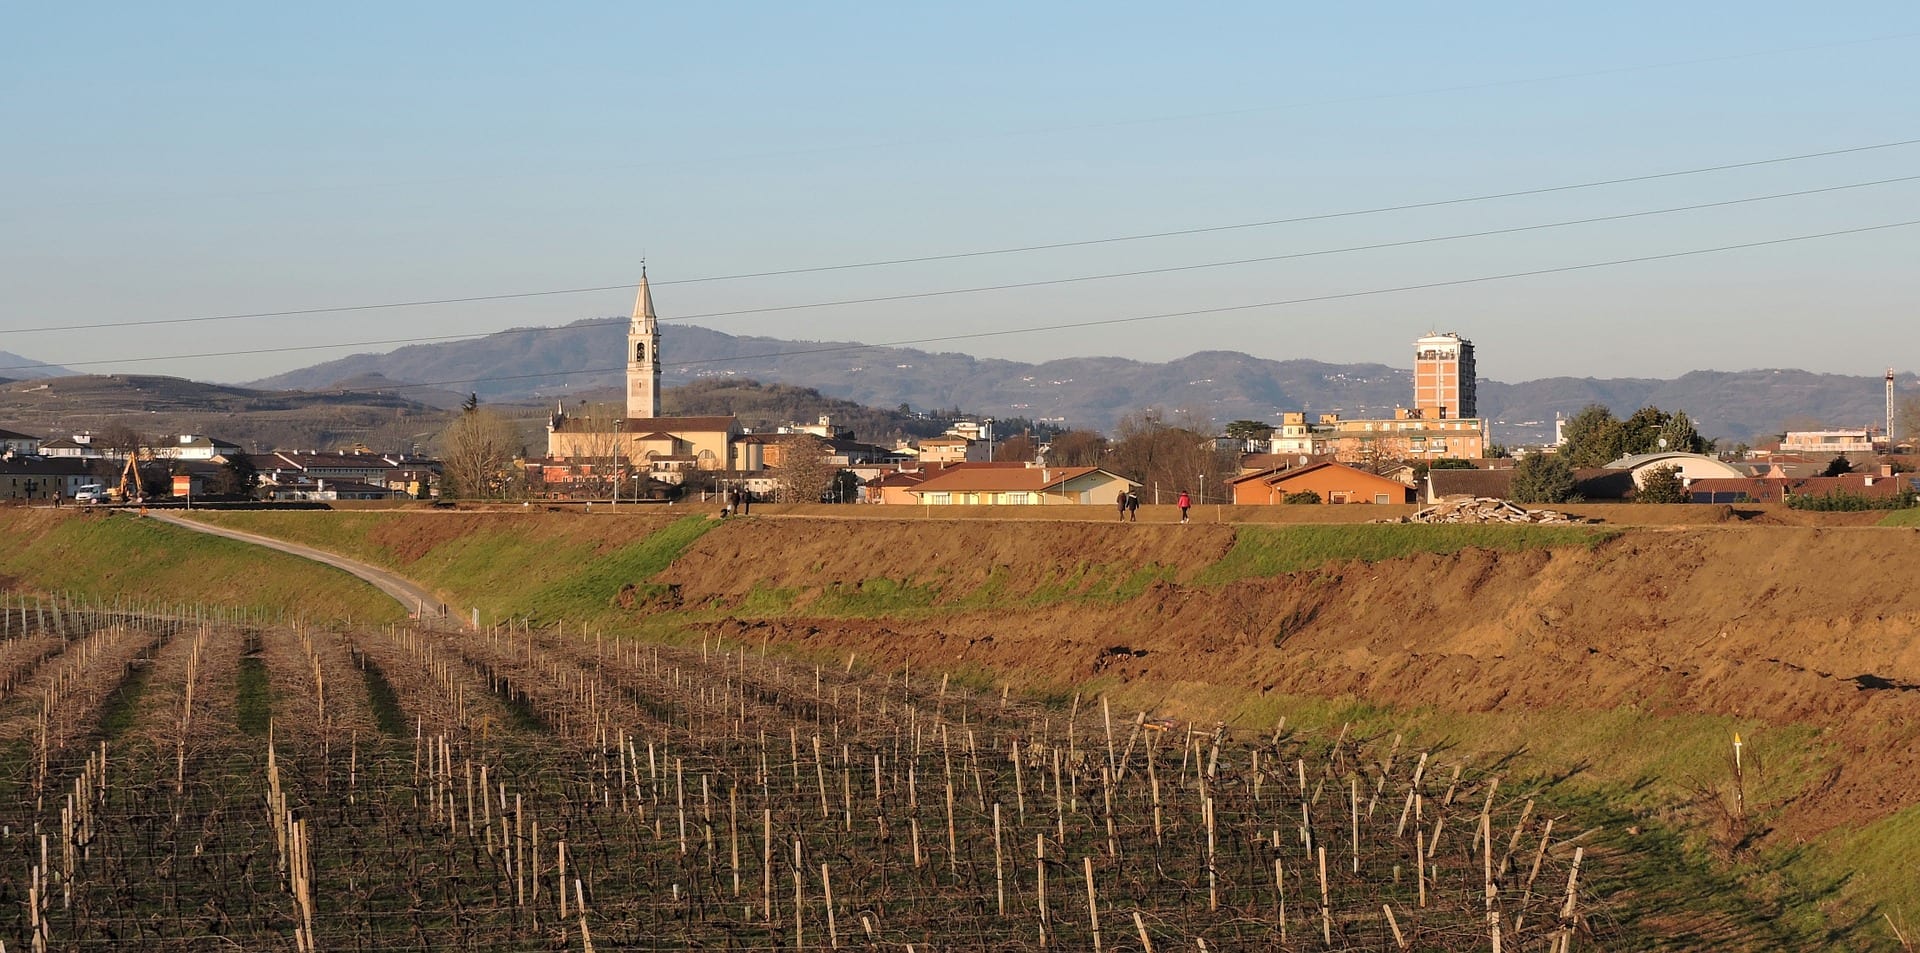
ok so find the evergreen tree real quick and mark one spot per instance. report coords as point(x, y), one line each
point(1543, 478)
point(1594, 438)
point(1662, 485)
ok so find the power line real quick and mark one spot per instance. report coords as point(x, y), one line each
point(1104, 322)
point(955, 256)
point(1076, 127)
point(587, 325)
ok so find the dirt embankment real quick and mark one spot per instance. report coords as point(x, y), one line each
point(1781, 624)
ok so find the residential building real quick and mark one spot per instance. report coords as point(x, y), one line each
point(1781, 489)
point(1690, 466)
point(37, 479)
point(188, 446)
point(973, 485)
point(81, 445)
point(1443, 377)
point(20, 443)
point(1408, 436)
point(953, 449)
point(1829, 441)
point(1334, 483)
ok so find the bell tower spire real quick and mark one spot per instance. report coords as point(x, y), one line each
point(643, 354)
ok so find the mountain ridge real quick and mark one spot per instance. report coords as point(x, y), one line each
point(555, 363)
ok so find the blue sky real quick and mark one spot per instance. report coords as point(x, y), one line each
point(202, 159)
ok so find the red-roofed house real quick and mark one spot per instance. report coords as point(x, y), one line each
point(1334, 482)
point(966, 485)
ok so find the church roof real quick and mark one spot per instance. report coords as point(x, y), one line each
point(651, 426)
point(643, 298)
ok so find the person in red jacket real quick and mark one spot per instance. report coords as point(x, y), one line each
point(1185, 502)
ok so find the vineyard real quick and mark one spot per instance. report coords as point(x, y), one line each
point(172, 776)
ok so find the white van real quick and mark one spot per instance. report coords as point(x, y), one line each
point(90, 493)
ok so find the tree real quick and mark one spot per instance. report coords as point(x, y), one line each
point(479, 449)
point(1640, 433)
point(1679, 434)
point(1543, 478)
point(1838, 465)
point(1172, 454)
point(805, 469)
point(1593, 438)
point(1450, 463)
point(237, 477)
point(1662, 485)
point(1906, 419)
point(1249, 430)
point(1077, 448)
point(1304, 497)
point(1016, 449)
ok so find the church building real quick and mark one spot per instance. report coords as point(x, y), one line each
point(653, 443)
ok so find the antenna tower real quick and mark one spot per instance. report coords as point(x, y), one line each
point(1890, 443)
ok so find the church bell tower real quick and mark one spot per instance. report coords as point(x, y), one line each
point(643, 355)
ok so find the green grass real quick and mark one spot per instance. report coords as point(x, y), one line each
point(874, 597)
point(590, 591)
point(1901, 518)
point(1880, 859)
point(129, 560)
point(545, 570)
point(1260, 551)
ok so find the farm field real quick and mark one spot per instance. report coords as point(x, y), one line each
point(174, 778)
point(1603, 673)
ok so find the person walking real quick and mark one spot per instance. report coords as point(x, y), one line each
point(1133, 506)
point(1185, 503)
point(1123, 507)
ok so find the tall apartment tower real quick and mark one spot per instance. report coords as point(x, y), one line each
point(643, 355)
point(1443, 376)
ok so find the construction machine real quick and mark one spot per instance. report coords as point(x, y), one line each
point(130, 489)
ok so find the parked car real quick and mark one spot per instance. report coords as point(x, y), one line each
point(90, 493)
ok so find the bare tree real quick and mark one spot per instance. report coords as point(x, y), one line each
point(1016, 449)
point(805, 469)
point(479, 449)
point(1077, 448)
point(1173, 453)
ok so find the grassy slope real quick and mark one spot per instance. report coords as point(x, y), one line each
point(1642, 766)
point(1270, 551)
point(104, 558)
point(544, 570)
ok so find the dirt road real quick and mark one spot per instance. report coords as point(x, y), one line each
point(418, 600)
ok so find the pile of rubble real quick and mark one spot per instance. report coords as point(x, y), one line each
point(1484, 510)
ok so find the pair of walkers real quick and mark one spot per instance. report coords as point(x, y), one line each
point(1130, 506)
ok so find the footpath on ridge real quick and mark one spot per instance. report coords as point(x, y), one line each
point(419, 601)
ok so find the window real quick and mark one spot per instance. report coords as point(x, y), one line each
point(1381, 498)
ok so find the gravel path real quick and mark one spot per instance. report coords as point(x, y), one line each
point(417, 599)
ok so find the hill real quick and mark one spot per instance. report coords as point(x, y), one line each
point(559, 363)
point(13, 367)
point(153, 405)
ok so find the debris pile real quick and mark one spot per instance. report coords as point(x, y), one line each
point(1484, 510)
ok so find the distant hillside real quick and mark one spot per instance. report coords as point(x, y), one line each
point(13, 367)
point(561, 363)
point(154, 406)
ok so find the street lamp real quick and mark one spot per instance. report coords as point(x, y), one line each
point(617, 421)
